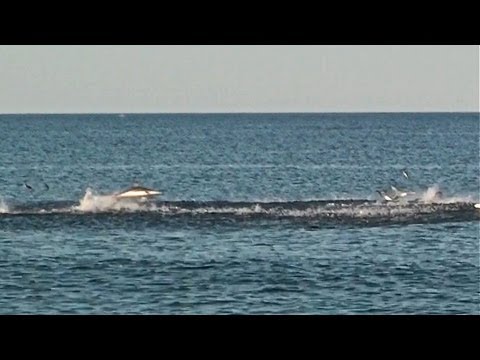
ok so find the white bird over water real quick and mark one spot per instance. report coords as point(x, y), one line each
point(401, 193)
point(386, 196)
point(404, 172)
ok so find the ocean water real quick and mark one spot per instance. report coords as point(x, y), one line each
point(260, 214)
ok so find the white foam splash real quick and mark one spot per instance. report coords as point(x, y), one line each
point(431, 195)
point(362, 211)
point(3, 206)
point(92, 202)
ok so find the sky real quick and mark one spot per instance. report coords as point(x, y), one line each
point(189, 79)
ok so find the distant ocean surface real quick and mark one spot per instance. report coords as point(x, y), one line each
point(260, 214)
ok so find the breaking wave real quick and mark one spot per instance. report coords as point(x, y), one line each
point(425, 208)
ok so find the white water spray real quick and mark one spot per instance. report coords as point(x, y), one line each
point(3, 206)
point(92, 202)
point(434, 195)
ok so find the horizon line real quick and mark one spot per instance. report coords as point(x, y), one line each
point(243, 112)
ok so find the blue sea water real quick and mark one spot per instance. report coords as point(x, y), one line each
point(260, 214)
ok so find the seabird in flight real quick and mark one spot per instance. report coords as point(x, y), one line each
point(386, 197)
point(401, 193)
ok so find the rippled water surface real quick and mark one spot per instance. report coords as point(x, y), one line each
point(260, 213)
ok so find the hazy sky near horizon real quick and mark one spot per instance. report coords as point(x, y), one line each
point(123, 79)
